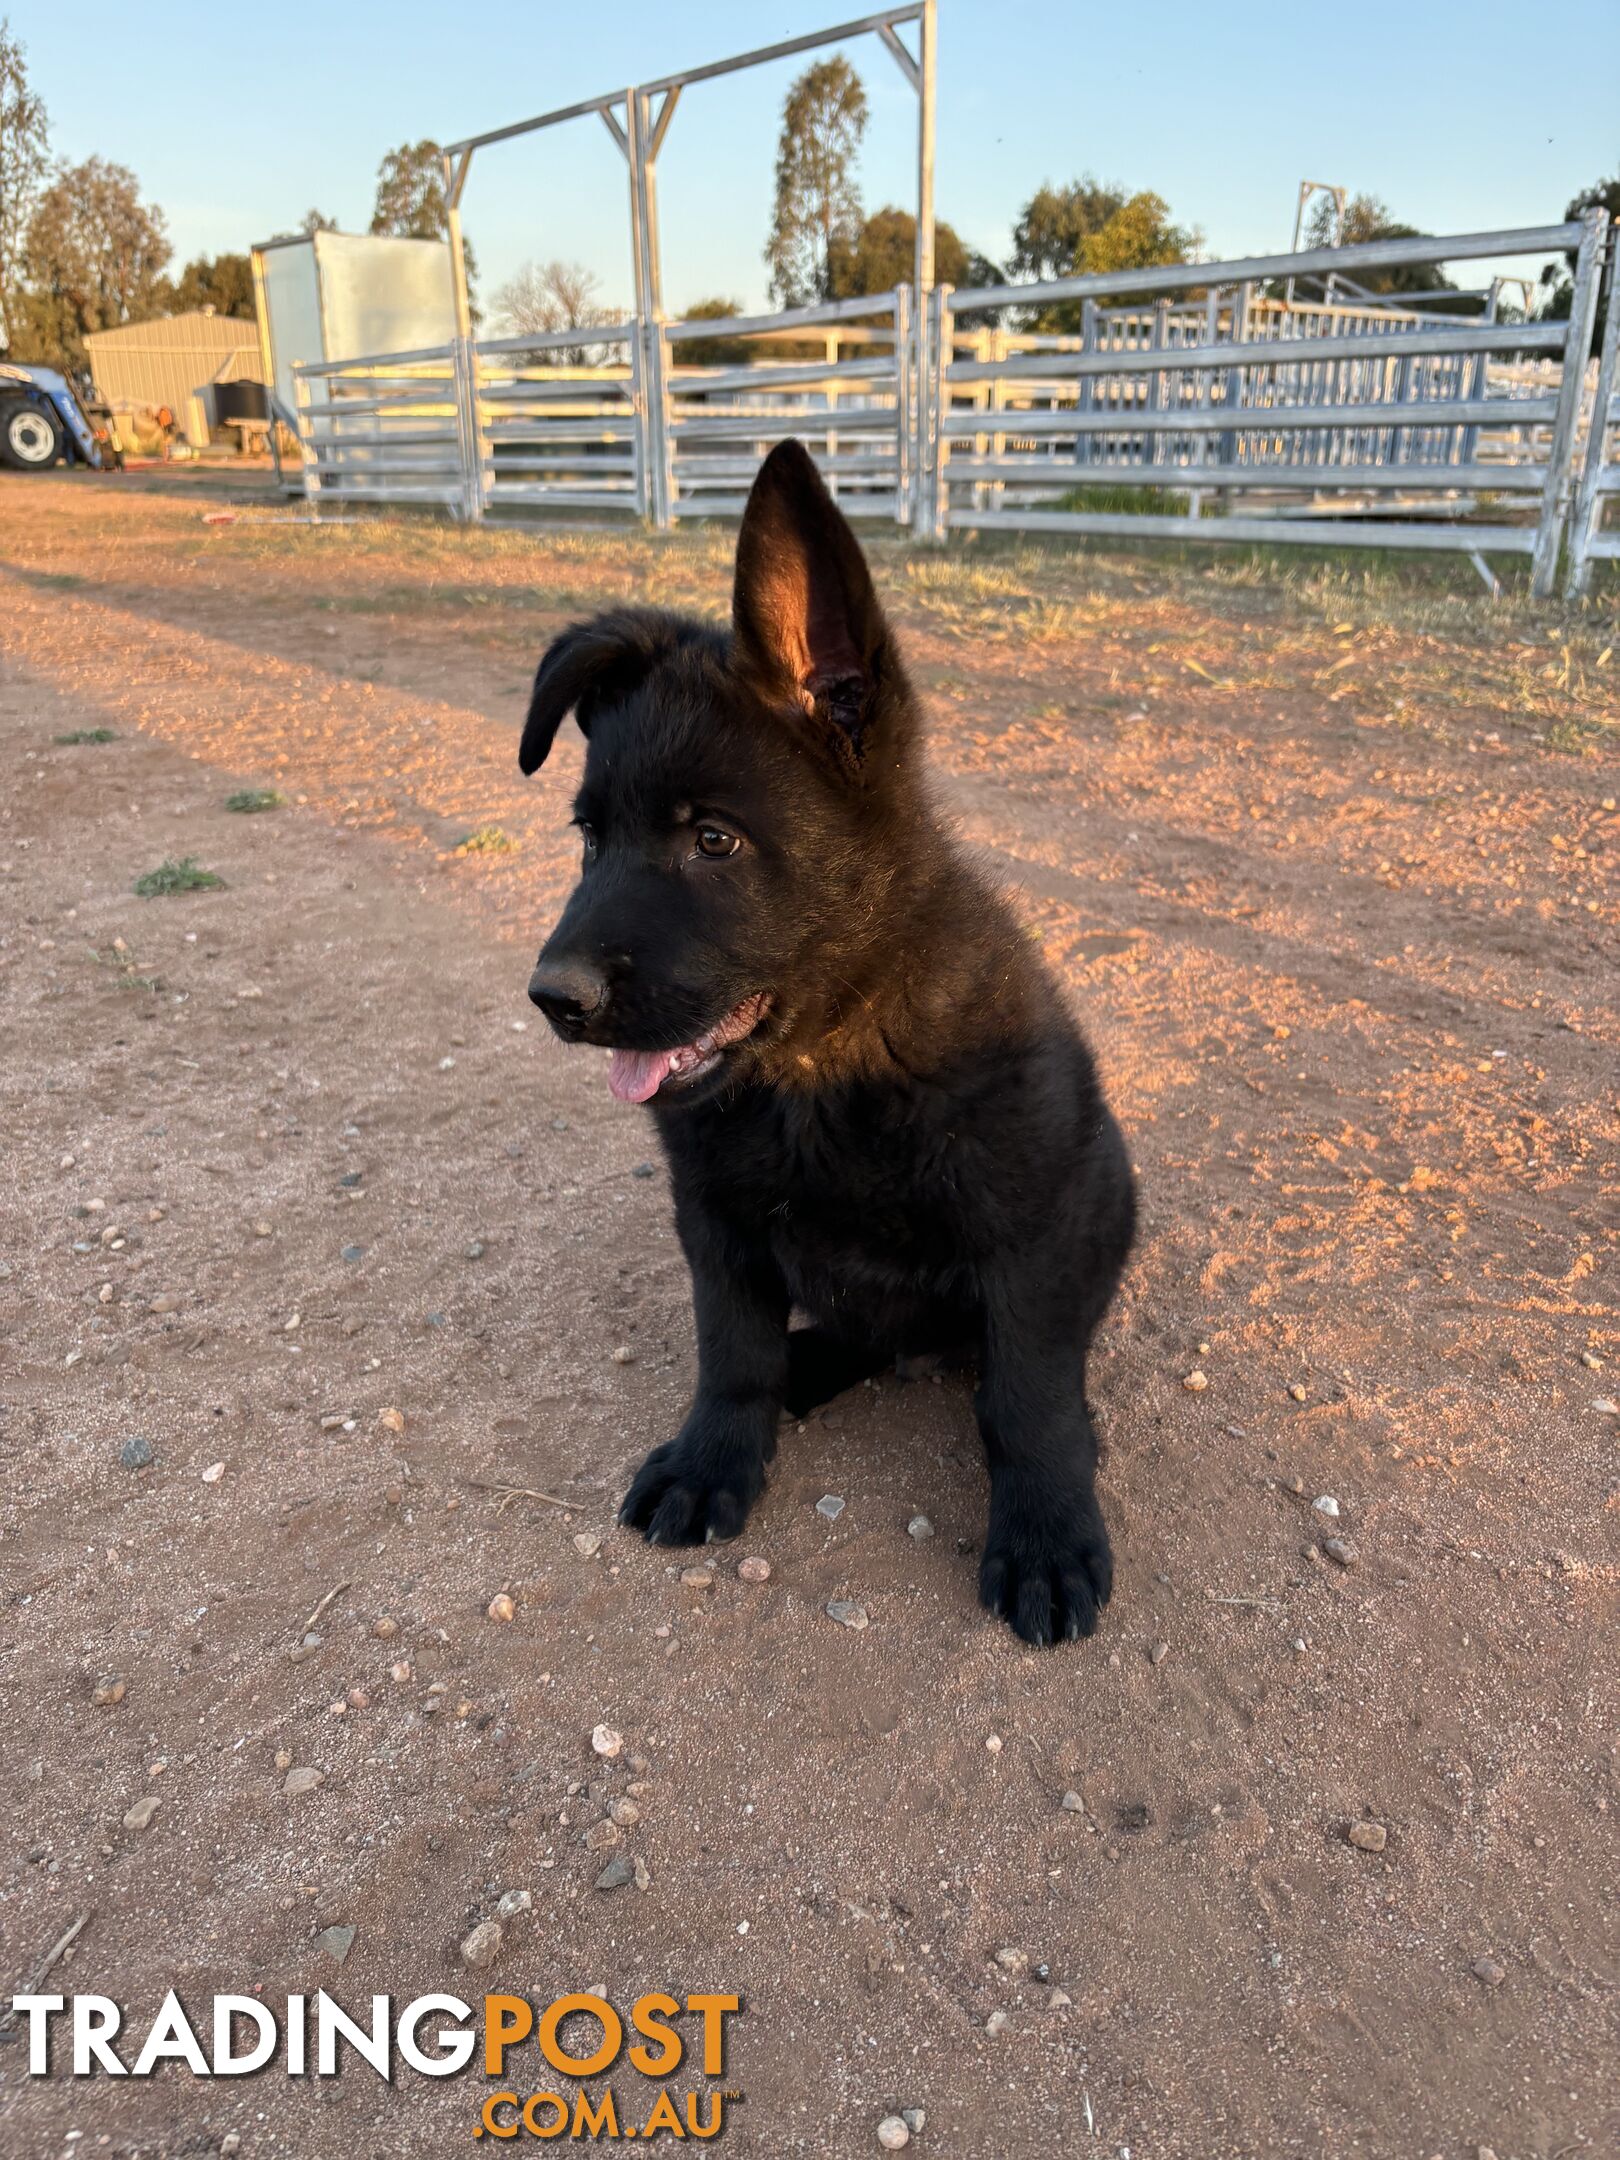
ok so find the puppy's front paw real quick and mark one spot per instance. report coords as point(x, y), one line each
point(686, 1495)
point(1047, 1568)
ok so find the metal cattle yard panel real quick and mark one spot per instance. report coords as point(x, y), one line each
point(1233, 412)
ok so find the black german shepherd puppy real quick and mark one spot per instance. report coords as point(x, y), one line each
point(874, 1105)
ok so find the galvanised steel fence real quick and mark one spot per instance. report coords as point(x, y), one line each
point(1590, 540)
point(1191, 402)
point(1410, 414)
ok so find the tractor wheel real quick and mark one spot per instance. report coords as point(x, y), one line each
point(30, 436)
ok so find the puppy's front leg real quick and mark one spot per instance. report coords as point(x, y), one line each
point(1047, 1568)
point(701, 1484)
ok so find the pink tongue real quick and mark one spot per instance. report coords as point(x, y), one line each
point(636, 1075)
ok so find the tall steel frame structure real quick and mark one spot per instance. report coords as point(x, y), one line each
point(638, 119)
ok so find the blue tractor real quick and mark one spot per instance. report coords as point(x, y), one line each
point(43, 418)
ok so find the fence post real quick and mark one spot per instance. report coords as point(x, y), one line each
point(308, 449)
point(1588, 500)
point(934, 344)
point(903, 441)
point(660, 442)
point(468, 432)
point(1561, 452)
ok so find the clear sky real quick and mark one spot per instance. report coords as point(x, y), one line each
point(1461, 117)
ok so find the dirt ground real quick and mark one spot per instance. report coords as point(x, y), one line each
point(295, 1183)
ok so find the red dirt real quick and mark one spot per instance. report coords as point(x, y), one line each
point(1327, 864)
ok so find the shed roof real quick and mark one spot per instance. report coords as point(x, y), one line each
point(193, 331)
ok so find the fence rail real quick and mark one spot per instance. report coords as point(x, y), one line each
point(1189, 401)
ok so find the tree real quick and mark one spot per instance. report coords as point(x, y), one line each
point(24, 154)
point(1367, 218)
point(714, 351)
point(411, 200)
point(818, 202)
point(542, 297)
point(314, 221)
point(1056, 222)
point(95, 256)
point(1557, 281)
point(222, 282)
point(883, 254)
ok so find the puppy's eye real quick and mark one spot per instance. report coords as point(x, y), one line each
point(587, 834)
point(715, 843)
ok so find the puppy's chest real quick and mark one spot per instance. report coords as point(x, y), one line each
point(843, 1190)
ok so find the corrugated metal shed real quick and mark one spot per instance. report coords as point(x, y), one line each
point(164, 362)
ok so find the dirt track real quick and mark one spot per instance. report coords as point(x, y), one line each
point(1329, 869)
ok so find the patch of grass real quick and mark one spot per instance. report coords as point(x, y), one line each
point(170, 876)
point(486, 840)
point(87, 735)
point(1123, 499)
point(251, 799)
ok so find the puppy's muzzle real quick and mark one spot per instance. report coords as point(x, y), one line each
point(571, 993)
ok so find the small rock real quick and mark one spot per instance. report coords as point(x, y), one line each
point(1605, 1406)
point(475, 1248)
point(992, 1743)
point(1489, 1971)
point(483, 1946)
point(1073, 1803)
point(1341, 1550)
point(623, 1355)
point(606, 1742)
point(830, 1505)
point(303, 1781)
point(1158, 1654)
point(1297, 1391)
point(501, 1607)
point(603, 1836)
point(642, 1873)
point(1059, 2000)
point(625, 1813)
point(352, 1253)
point(642, 1170)
point(1195, 1382)
point(753, 1569)
point(391, 1420)
point(1368, 1836)
point(1013, 1961)
point(698, 1578)
point(136, 1453)
point(283, 1759)
point(893, 2134)
point(920, 1528)
point(913, 2118)
point(337, 1942)
point(400, 1674)
point(514, 1902)
point(213, 1474)
point(108, 1691)
point(846, 1612)
point(588, 1543)
point(165, 1302)
point(996, 2023)
point(385, 1627)
point(143, 1811)
point(1325, 1504)
point(1592, 1364)
point(621, 1869)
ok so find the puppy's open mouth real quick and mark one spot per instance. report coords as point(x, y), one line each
point(639, 1075)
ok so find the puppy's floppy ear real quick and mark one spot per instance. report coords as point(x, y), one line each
point(808, 628)
point(593, 663)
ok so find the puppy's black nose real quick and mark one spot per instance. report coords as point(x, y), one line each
point(567, 991)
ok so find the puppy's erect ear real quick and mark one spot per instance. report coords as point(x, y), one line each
point(807, 622)
point(594, 662)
